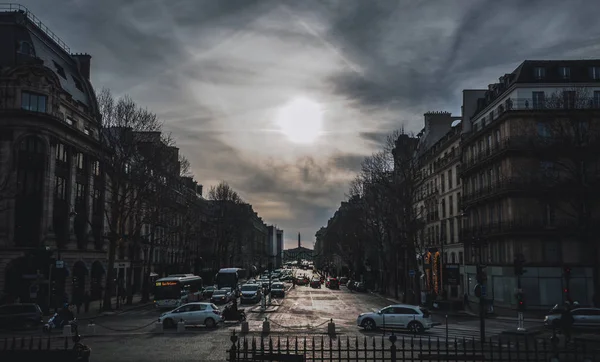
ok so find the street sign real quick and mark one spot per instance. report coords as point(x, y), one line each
point(411, 273)
point(60, 264)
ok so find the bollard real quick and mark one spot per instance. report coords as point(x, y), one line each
point(158, 327)
point(67, 330)
point(331, 328)
point(91, 328)
point(181, 326)
point(245, 327)
point(266, 326)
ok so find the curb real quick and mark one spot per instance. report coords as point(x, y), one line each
point(115, 312)
point(257, 310)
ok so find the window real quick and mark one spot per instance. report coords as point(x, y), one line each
point(87, 131)
point(543, 130)
point(60, 188)
point(33, 102)
point(564, 72)
point(460, 257)
point(491, 214)
point(70, 121)
point(443, 182)
point(596, 99)
point(451, 232)
point(499, 213)
point(26, 48)
point(569, 99)
point(497, 138)
point(489, 145)
point(549, 215)
point(77, 84)
point(450, 179)
point(450, 205)
point(79, 193)
point(61, 152)
point(498, 172)
point(595, 73)
point(457, 177)
point(60, 70)
point(96, 168)
point(443, 207)
point(79, 160)
point(538, 99)
point(539, 73)
point(96, 201)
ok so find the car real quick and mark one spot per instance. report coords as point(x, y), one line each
point(208, 292)
point(343, 280)
point(251, 293)
point(278, 290)
point(192, 314)
point(22, 315)
point(360, 287)
point(332, 283)
point(398, 316)
point(315, 283)
point(251, 281)
point(221, 296)
point(582, 317)
point(302, 281)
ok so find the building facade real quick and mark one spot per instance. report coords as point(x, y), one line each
point(52, 209)
point(530, 182)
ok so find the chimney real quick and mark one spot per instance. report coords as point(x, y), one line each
point(299, 244)
point(199, 189)
point(83, 64)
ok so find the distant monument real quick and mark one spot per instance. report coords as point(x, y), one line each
point(299, 244)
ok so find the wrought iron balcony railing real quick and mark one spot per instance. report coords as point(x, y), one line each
point(525, 225)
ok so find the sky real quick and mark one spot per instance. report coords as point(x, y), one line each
point(233, 79)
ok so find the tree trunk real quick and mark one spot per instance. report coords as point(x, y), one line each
point(130, 276)
point(146, 279)
point(110, 286)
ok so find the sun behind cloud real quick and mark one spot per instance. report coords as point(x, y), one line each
point(300, 120)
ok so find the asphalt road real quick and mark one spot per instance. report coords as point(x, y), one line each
point(304, 312)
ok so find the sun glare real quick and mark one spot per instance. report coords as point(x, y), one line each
point(300, 120)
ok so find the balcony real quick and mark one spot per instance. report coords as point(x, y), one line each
point(501, 187)
point(552, 104)
point(522, 227)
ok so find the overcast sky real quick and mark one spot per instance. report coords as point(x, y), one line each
point(218, 72)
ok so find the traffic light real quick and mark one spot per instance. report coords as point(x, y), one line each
point(521, 301)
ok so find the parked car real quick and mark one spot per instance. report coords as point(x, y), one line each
point(343, 280)
point(251, 293)
point(208, 292)
point(315, 283)
point(360, 287)
point(193, 314)
point(302, 281)
point(582, 317)
point(221, 296)
point(278, 290)
point(399, 316)
point(25, 315)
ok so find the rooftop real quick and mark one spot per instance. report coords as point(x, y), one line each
point(10, 7)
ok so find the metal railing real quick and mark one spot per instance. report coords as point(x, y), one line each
point(521, 225)
point(39, 349)
point(403, 348)
point(505, 185)
point(11, 7)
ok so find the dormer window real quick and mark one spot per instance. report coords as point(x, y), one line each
point(564, 72)
point(539, 73)
point(595, 73)
point(25, 48)
point(60, 70)
point(78, 84)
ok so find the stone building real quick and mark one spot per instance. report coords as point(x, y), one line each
point(51, 203)
point(530, 182)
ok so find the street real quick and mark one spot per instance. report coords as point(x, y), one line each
point(304, 312)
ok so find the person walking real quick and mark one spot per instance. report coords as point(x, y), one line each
point(566, 322)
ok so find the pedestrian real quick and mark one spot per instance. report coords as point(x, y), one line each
point(86, 301)
point(566, 322)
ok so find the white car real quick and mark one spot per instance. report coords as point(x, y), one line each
point(193, 314)
point(398, 316)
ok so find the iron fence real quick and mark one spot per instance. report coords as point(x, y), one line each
point(403, 348)
point(38, 349)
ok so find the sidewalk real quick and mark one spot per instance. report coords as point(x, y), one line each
point(95, 311)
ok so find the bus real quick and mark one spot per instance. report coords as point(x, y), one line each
point(173, 290)
point(230, 277)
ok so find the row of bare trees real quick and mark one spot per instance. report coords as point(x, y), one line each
point(375, 231)
point(148, 203)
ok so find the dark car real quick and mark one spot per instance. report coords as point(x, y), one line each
point(343, 280)
point(360, 287)
point(315, 283)
point(302, 281)
point(333, 283)
point(251, 293)
point(26, 315)
point(208, 292)
point(221, 296)
point(278, 290)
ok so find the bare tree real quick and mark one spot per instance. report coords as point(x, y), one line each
point(185, 168)
point(129, 172)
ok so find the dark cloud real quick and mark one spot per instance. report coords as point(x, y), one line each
point(391, 61)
